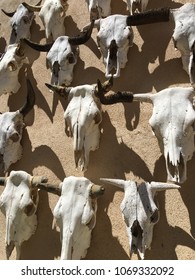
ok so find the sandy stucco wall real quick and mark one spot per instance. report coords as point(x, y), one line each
point(128, 149)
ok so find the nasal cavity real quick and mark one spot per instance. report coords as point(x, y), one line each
point(56, 69)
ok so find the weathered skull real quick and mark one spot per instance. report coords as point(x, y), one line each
point(99, 8)
point(172, 122)
point(62, 56)
point(10, 64)
point(184, 37)
point(137, 5)
point(52, 14)
point(11, 128)
point(18, 203)
point(139, 211)
point(82, 118)
point(75, 214)
point(21, 21)
point(115, 36)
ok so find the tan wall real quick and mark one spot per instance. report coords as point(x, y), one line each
point(128, 150)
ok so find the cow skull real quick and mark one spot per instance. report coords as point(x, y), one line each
point(137, 5)
point(52, 14)
point(99, 8)
point(10, 64)
point(82, 118)
point(18, 203)
point(21, 21)
point(62, 55)
point(115, 36)
point(75, 214)
point(11, 128)
point(184, 37)
point(139, 211)
point(172, 122)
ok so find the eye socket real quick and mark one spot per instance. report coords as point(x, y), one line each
point(70, 58)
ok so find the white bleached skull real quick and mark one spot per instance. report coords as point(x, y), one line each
point(99, 8)
point(10, 64)
point(21, 21)
point(184, 37)
point(62, 55)
point(140, 211)
point(52, 14)
point(172, 122)
point(11, 129)
point(115, 36)
point(75, 214)
point(82, 118)
point(18, 203)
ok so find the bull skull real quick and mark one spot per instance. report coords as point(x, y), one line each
point(137, 5)
point(184, 37)
point(99, 8)
point(10, 64)
point(18, 203)
point(52, 14)
point(115, 36)
point(139, 211)
point(75, 214)
point(172, 122)
point(62, 55)
point(11, 128)
point(21, 21)
point(82, 118)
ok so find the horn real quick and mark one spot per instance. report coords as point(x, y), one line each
point(20, 49)
point(12, 66)
point(112, 98)
point(144, 97)
point(35, 180)
point(62, 91)
point(32, 8)
point(151, 16)
point(116, 182)
point(105, 87)
point(96, 191)
point(8, 14)
point(30, 100)
point(108, 84)
point(38, 47)
point(158, 186)
point(3, 181)
point(83, 38)
point(55, 189)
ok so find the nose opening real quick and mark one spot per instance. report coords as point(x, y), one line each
point(113, 67)
point(137, 232)
point(176, 171)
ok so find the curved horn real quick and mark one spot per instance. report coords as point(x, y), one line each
point(35, 180)
point(83, 38)
point(30, 100)
point(32, 8)
point(3, 181)
point(55, 189)
point(112, 98)
point(20, 49)
point(105, 87)
point(151, 16)
point(143, 97)
point(158, 186)
point(96, 191)
point(62, 91)
point(116, 182)
point(8, 14)
point(38, 47)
